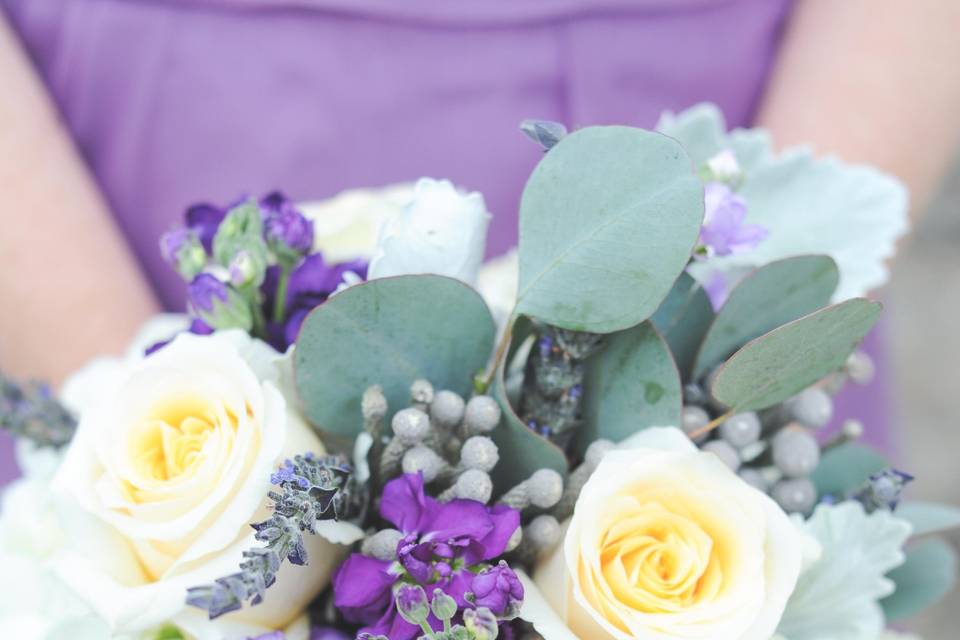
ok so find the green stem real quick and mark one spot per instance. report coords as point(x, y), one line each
point(280, 302)
point(500, 354)
point(427, 631)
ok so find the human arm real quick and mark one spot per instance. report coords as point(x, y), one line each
point(69, 287)
point(874, 81)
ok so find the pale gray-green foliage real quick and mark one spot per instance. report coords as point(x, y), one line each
point(929, 573)
point(608, 220)
point(810, 205)
point(846, 467)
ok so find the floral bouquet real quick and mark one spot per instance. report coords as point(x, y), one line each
point(616, 431)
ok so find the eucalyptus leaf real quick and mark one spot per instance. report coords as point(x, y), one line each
point(631, 384)
point(767, 298)
point(846, 467)
point(779, 364)
point(522, 451)
point(608, 220)
point(928, 574)
point(389, 331)
point(683, 319)
point(929, 517)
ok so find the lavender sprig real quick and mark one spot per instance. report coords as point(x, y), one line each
point(31, 411)
point(311, 488)
point(552, 397)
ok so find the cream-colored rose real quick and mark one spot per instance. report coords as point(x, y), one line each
point(167, 470)
point(667, 542)
point(346, 226)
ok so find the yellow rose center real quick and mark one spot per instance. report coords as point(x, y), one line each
point(170, 443)
point(658, 561)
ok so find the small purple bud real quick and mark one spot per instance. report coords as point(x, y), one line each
point(725, 230)
point(412, 604)
point(287, 231)
point(218, 304)
point(499, 589)
point(182, 250)
point(204, 289)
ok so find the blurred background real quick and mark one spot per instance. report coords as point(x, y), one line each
point(923, 307)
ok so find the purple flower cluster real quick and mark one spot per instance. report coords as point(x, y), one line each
point(302, 279)
point(444, 545)
point(724, 230)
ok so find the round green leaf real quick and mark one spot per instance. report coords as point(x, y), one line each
point(608, 220)
point(631, 384)
point(775, 366)
point(927, 575)
point(683, 319)
point(767, 298)
point(929, 517)
point(389, 331)
point(846, 467)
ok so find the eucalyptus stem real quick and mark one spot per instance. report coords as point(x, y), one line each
point(280, 301)
point(710, 426)
point(499, 355)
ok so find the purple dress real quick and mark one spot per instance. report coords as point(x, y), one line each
point(174, 101)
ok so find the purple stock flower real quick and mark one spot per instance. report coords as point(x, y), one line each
point(204, 289)
point(285, 229)
point(327, 633)
point(716, 289)
point(498, 588)
point(724, 231)
point(172, 242)
point(311, 283)
point(204, 220)
point(441, 542)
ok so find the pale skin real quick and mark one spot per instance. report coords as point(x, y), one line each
point(869, 80)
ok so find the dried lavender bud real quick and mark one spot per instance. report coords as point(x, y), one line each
point(311, 488)
point(754, 478)
point(382, 545)
point(472, 484)
point(692, 419)
point(796, 495)
point(811, 407)
point(30, 411)
point(479, 452)
point(447, 409)
point(740, 429)
point(795, 452)
point(882, 490)
point(727, 454)
point(546, 133)
point(482, 416)
point(425, 460)
point(552, 393)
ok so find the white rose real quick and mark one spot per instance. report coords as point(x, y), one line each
point(440, 231)
point(498, 283)
point(346, 226)
point(168, 468)
point(667, 542)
